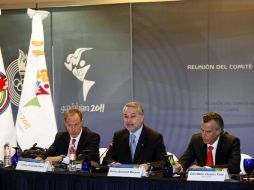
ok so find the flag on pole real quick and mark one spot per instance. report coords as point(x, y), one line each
point(36, 121)
point(7, 130)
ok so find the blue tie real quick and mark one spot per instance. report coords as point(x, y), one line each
point(133, 145)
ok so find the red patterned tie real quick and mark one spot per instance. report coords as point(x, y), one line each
point(209, 158)
point(73, 142)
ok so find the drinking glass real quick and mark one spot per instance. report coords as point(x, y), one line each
point(15, 157)
point(168, 168)
point(86, 163)
point(248, 164)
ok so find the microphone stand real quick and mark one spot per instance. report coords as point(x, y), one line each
point(107, 149)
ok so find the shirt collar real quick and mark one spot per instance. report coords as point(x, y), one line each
point(137, 133)
point(215, 144)
point(78, 137)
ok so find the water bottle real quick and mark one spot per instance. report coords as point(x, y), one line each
point(7, 155)
point(72, 158)
point(168, 168)
point(86, 163)
point(15, 157)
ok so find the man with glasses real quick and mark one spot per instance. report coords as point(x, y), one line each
point(76, 135)
point(212, 147)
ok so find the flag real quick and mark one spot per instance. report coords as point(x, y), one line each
point(36, 121)
point(7, 130)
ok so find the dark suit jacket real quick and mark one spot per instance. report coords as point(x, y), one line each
point(150, 148)
point(227, 154)
point(88, 141)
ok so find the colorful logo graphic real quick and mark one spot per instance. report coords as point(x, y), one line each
point(4, 93)
point(41, 88)
point(16, 73)
point(79, 69)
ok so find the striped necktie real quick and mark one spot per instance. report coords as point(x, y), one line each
point(73, 142)
point(133, 145)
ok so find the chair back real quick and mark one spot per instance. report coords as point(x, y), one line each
point(103, 152)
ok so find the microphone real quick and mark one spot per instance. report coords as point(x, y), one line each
point(83, 155)
point(80, 157)
point(102, 168)
point(106, 150)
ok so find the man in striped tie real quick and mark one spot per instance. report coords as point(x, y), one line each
point(212, 147)
point(77, 136)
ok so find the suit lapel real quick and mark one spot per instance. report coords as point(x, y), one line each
point(126, 145)
point(66, 144)
point(219, 151)
point(81, 142)
point(204, 152)
point(141, 142)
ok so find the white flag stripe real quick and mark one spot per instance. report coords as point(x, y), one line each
point(36, 121)
point(7, 130)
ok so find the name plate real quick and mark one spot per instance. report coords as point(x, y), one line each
point(33, 165)
point(126, 170)
point(207, 174)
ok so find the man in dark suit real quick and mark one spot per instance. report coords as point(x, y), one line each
point(81, 137)
point(212, 147)
point(147, 148)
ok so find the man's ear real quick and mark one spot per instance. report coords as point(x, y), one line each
point(219, 131)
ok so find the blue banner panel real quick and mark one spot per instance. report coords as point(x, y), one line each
point(192, 57)
point(92, 65)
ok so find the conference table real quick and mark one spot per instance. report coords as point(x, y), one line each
point(11, 179)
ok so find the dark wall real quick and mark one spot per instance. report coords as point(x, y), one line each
point(180, 59)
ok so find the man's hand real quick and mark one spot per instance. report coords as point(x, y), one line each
point(195, 166)
point(178, 167)
point(115, 163)
point(54, 159)
point(38, 158)
point(146, 166)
